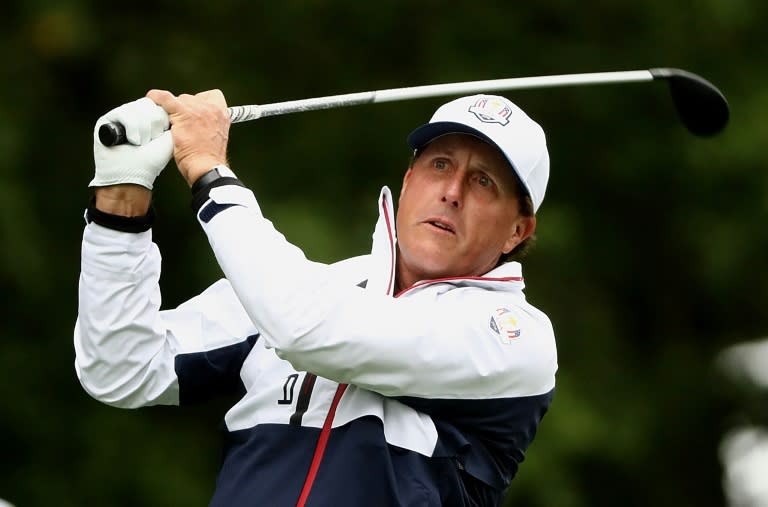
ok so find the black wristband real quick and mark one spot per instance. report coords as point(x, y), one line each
point(203, 185)
point(119, 222)
point(206, 179)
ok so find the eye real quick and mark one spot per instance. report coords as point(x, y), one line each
point(441, 164)
point(484, 181)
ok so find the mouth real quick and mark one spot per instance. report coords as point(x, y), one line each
point(442, 225)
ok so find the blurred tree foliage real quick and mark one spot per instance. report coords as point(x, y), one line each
point(651, 252)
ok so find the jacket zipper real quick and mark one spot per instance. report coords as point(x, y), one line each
point(325, 432)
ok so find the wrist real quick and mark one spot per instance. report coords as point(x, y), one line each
point(210, 176)
point(123, 223)
point(127, 200)
point(194, 170)
point(215, 177)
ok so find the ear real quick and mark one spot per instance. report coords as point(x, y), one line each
point(522, 228)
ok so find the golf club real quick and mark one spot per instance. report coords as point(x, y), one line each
point(699, 104)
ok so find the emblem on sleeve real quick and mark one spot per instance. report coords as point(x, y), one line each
point(505, 325)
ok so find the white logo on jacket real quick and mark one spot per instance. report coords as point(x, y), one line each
point(505, 325)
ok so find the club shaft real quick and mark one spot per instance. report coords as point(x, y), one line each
point(700, 105)
point(252, 112)
point(112, 134)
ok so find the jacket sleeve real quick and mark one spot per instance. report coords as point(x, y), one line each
point(398, 347)
point(129, 353)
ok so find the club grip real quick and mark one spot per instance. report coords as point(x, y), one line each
point(112, 134)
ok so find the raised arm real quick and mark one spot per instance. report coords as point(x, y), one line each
point(128, 352)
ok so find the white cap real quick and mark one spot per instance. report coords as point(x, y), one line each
point(503, 125)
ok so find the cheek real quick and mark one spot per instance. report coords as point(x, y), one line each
point(493, 227)
point(408, 204)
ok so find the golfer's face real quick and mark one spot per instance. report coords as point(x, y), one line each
point(458, 211)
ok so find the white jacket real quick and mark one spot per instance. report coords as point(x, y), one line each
point(447, 381)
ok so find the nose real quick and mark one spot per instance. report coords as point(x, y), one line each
point(453, 192)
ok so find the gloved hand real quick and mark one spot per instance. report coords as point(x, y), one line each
point(150, 149)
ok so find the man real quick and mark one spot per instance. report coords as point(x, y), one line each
point(416, 375)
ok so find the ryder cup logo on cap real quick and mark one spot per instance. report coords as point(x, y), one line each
point(501, 124)
point(491, 110)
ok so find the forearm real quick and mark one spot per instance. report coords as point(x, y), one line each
point(122, 355)
point(128, 349)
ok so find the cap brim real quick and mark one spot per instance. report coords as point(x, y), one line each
point(428, 132)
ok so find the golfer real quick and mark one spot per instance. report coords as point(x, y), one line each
point(415, 375)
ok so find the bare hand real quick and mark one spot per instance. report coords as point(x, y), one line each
point(200, 128)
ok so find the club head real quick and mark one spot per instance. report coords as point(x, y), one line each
point(700, 105)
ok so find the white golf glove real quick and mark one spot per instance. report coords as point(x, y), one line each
point(150, 149)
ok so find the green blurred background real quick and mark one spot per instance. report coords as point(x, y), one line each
point(651, 242)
